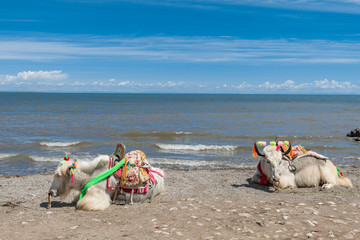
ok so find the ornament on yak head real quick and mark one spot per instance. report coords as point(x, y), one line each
point(74, 165)
point(276, 143)
point(67, 158)
point(71, 170)
point(72, 175)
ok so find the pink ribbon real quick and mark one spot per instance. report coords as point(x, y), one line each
point(152, 178)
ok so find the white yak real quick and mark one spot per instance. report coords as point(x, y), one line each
point(97, 197)
point(308, 172)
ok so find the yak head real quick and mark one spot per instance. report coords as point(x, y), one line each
point(271, 161)
point(61, 184)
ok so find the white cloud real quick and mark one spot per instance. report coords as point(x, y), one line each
point(114, 83)
point(286, 84)
point(124, 83)
point(243, 85)
point(47, 75)
point(78, 83)
point(313, 87)
point(186, 49)
point(290, 86)
point(58, 80)
point(326, 84)
point(34, 77)
point(171, 84)
point(310, 87)
point(342, 6)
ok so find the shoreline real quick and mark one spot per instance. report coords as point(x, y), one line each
point(197, 204)
point(188, 170)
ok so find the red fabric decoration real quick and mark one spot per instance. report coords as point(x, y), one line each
point(339, 171)
point(263, 180)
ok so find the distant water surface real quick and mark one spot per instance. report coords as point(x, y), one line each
point(177, 131)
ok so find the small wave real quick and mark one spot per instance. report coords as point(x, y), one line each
point(80, 158)
point(58, 144)
point(183, 133)
point(352, 157)
point(314, 137)
point(157, 134)
point(46, 158)
point(192, 164)
point(199, 147)
point(7, 155)
point(326, 147)
point(167, 161)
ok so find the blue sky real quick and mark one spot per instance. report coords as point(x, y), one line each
point(191, 46)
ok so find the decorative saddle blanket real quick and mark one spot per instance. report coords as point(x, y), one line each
point(299, 152)
point(134, 173)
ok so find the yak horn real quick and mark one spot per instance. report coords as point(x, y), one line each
point(122, 152)
point(288, 151)
point(49, 200)
point(257, 151)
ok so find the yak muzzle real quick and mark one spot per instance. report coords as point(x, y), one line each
point(53, 192)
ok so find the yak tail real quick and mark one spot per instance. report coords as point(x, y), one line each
point(344, 181)
point(332, 174)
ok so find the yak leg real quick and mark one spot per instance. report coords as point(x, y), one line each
point(49, 200)
point(327, 185)
point(132, 196)
point(95, 199)
point(256, 177)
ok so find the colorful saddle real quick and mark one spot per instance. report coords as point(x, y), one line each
point(134, 173)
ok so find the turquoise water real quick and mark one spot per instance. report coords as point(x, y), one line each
point(178, 131)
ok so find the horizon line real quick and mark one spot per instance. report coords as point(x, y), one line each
point(181, 93)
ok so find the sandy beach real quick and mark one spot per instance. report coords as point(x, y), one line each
point(197, 204)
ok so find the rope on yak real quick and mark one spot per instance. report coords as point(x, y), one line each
point(101, 177)
point(340, 174)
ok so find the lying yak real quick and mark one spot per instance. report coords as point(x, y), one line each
point(98, 196)
point(306, 171)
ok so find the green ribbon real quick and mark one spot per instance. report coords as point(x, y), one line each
point(101, 177)
point(339, 172)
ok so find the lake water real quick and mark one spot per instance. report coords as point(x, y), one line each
point(177, 131)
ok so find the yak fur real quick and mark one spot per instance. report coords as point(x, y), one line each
point(310, 171)
point(97, 197)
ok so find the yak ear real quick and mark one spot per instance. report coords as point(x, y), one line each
point(65, 168)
